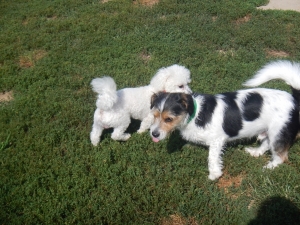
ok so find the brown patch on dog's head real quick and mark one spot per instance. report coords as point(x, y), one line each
point(164, 114)
point(169, 111)
point(169, 121)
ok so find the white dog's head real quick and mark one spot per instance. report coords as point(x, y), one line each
point(174, 78)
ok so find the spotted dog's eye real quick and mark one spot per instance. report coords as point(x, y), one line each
point(181, 86)
point(168, 120)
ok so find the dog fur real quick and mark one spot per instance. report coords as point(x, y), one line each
point(115, 108)
point(271, 115)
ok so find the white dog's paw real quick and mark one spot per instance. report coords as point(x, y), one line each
point(120, 137)
point(253, 151)
point(141, 130)
point(214, 175)
point(126, 137)
point(95, 141)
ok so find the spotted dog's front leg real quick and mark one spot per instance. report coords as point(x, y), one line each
point(215, 164)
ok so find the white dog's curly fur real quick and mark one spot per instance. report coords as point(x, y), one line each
point(115, 108)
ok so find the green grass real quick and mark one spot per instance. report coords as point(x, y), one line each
point(49, 171)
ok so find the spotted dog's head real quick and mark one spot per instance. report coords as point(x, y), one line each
point(170, 110)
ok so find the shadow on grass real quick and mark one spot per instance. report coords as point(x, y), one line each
point(175, 142)
point(277, 211)
point(132, 128)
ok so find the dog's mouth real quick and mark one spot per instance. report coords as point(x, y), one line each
point(156, 135)
point(154, 139)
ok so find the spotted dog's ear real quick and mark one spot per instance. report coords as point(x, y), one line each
point(157, 98)
point(183, 99)
point(187, 102)
point(153, 98)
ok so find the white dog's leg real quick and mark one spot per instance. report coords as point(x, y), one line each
point(265, 146)
point(96, 133)
point(146, 123)
point(119, 135)
point(215, 160)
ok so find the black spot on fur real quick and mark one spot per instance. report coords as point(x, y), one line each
point(157, 98)
point(232, 123)
point(176, 103)
point(207, 108)
point(179, 103)
point(296, 95)
point(252, 106)
point(289, 131)
point(190, 104)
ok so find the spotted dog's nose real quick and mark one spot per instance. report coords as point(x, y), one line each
point(155, 133)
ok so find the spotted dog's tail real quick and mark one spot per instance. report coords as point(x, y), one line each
point(283, 70)
point(107, 92)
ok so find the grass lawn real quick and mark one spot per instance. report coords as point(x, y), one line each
point(49, 171)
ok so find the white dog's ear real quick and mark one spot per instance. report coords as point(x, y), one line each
point(159, 80)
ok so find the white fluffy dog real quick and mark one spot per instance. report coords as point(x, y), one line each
point(115, 108)
point(213, 120)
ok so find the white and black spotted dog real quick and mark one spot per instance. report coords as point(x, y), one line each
point(271, 115)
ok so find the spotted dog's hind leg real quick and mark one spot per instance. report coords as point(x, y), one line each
point(265, 146)
point(282, 140)
point(279, 155)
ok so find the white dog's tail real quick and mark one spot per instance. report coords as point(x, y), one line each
point(107, 92)
point(284, 70)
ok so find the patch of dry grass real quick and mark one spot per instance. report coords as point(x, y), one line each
point(6, 96)
point(276, 54)
point(30, 58)
point(146, 2)
point(178, 220)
